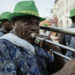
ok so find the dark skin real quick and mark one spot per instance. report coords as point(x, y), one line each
point(25, 26)
point(6, 25)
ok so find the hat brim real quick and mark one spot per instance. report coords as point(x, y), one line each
point(14, 15)
point(1, 19)
point(72, 16)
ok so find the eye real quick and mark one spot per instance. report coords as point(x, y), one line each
point(36, 23)
point(25, 21)
point(30, 22)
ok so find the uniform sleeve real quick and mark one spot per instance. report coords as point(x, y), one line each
point(7, 66)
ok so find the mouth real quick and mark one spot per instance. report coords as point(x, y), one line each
point(30, 34)
point(33, 35)
point(33, 32)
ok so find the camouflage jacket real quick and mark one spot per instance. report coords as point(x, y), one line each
point(16, 61)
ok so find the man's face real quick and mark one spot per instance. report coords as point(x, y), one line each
point(7, 25)
point(25, 26)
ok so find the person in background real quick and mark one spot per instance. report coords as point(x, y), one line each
point(70, 40)
point(19, 54)
point(67, 39)
point(5, 24)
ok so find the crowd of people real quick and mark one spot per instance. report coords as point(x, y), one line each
point(20, 54)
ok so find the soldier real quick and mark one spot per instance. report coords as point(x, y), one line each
point(69, 40)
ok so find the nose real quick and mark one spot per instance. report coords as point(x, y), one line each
point(35, 29)
point(25, 23)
